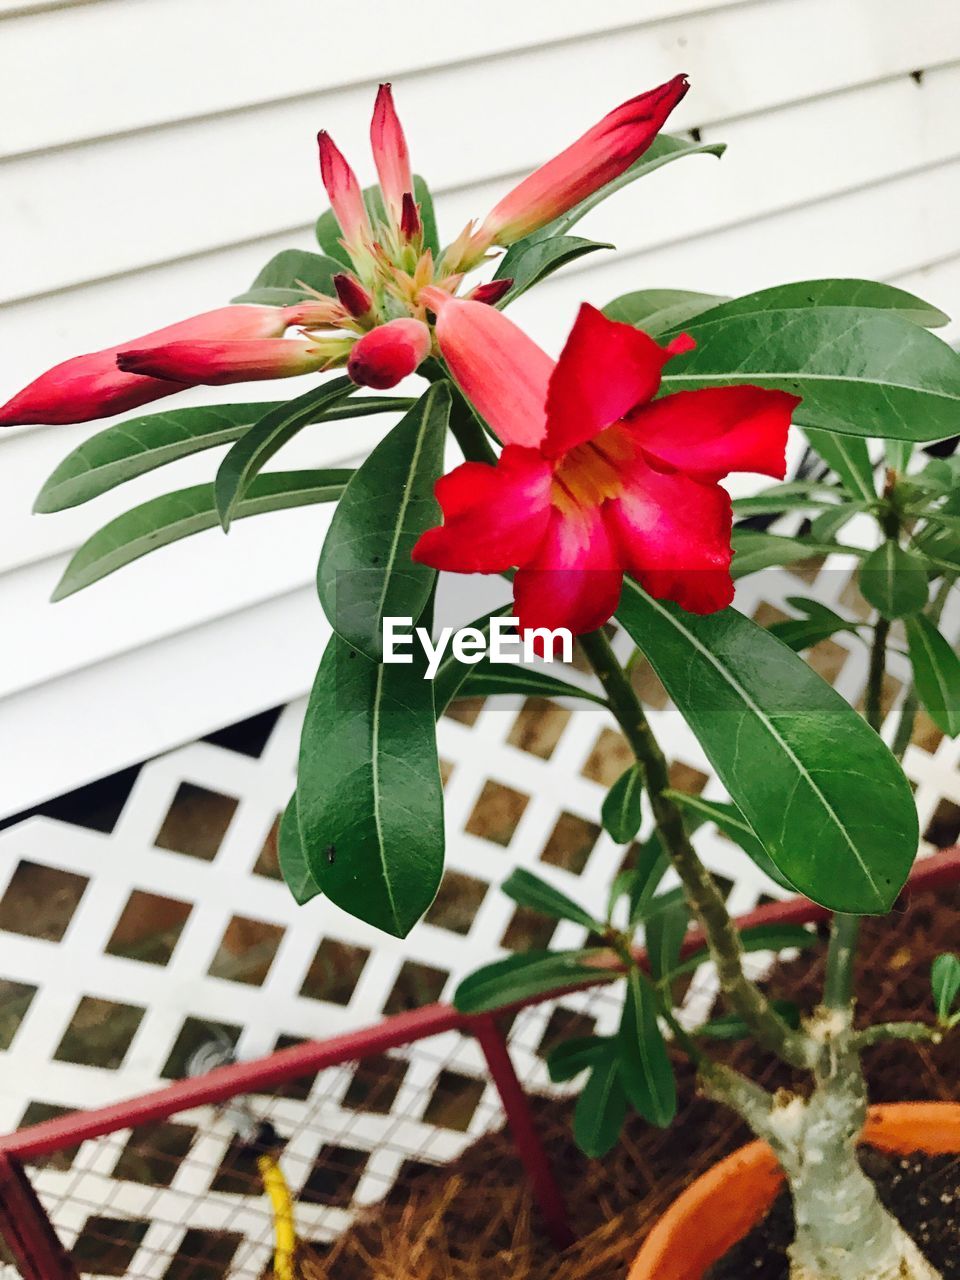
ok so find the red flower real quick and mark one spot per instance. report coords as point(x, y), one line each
point(596, 478)
point(387, 354)
point(390, 154)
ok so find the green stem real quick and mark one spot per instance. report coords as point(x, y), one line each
point(917, 1031)
point(704, 898)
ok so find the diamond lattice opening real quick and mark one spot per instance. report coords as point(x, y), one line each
point(335, 971)
point(247, 951)
point(149, 928)
point(100, 1033)
point(458, 900)
point(40, 901)
point(497, 813)
point(571, 843)
point(196, 822)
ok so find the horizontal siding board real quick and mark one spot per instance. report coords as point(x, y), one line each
point(259, 52)
point(120, 204)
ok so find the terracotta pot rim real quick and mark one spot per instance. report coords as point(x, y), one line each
point(745, 1184)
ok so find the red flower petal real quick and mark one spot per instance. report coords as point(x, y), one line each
point(493, 517)
point(673, 533)
point(605, 369)
point(575, 579)
point(712, 432)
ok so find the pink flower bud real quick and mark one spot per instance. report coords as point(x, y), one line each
point(92, 386)
point(387, 354)
point(390, 153)
point(354, 297)
point(343, 191)
point(491, 292)
point(410, 223)
point(217, 363)
point(601, 155)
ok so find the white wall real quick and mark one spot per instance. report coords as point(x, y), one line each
point(154, 153)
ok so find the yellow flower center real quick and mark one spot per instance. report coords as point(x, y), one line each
point(592, 472)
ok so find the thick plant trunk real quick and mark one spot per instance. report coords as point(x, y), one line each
point(843, 1232)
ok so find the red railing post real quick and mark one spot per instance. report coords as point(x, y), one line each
point(27, 1230)
point(516, 1106)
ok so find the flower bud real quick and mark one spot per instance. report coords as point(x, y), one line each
point(390, 153)
point(491, 292)
point(218, 363)
point(387, 354)
point(343, 191)
point(354, 297)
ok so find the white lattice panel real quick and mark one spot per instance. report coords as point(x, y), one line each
point(122, 949)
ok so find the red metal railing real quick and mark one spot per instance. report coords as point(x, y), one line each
point(29, 1234)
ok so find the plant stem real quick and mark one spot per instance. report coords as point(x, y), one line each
point(703, 896)
point(873, 709)
point(880, 1031)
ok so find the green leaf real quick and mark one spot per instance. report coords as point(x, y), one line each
point(848, 457)
point(653, 862)
point(622, 809)
point(936, 673)
point(939, 543)
point(860, 372)
point(452, 672)
point(328, 229)
point(257, 446)
point(664, 934)
point(728, 818)
point(894, 580)
point(573, 1056)
point(728, 1026)
point(368, 789)
point(787, 497)
point(139, 445)
point(761, 937)
point(291, 276)
point(825, 526)
point(945, 980)
point(645, 1067)
point(528, 261)
point(755, 551)
point(366, 572)
point(865, 294)
point(657, 310)
point(178, 515)
point(819, 623)
point(664, 149)
point(797, 761)
point(486, 678)
point(530, 974)
point(601, 1108)
point(530, 891)
point(293, 861)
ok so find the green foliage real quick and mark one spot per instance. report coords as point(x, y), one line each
point(293, 861)
point(848, 457)
point(728, 1026)
point(945, 981)
point(531, 260)
point(789, 750)
point(645, 1067)
point(817, 294)
point(530, 974)
point(761, 937)
point(936, 673)
point(328, 230)
point(665, 931)
point(894, 580)
point(658, 311)
point(257, 446)
point(486, 678)
point(817, 623)
point(622, 810)
point(530, 891)
point(366, 572)
point(184, 512)
point(602, 1106)
point(292, 276)
point(369, 794)
point(573, 1056)
point(728, 818)
point(754, 550)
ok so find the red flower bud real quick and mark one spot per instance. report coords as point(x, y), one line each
point(390, 152)
point(410, 223)
point(218, 363)
point(491, 292)
point(343, 191)
point(352, 294)
point(387, 354)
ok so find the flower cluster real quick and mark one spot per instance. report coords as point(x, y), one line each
point(376, 324)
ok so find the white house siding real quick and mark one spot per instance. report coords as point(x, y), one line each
point(154, 153)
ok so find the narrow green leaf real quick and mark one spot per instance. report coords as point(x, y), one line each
point(257, 446)
point(728, 818)
point(653, 862)
point(293, 861)
point(368, 791)
point(132, 448)
point(939, 543)
point(486, 678)
point(452, 672)
point(825, 526)
point(657, 310)
point(645, 1067)
point(728, 1026)
point(529, 261)
point(573, 1056)
point(849, 458)
point(894, 580)
point(945, 980)
point(754, 551)
point(291, 276)
point(666, 148)
point(622, 810)
point(867, 294)
point(791, 753)
point(936, 673)
point(530, 974)
point(184, 512)
point(818, 623)
point(762, 937)
point(860, 372)
point(366, 572)
point(530, 891)
point(601, 1108)
point(664, 934)
point(787, 497)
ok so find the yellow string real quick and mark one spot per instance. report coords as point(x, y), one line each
point(281, 1202)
